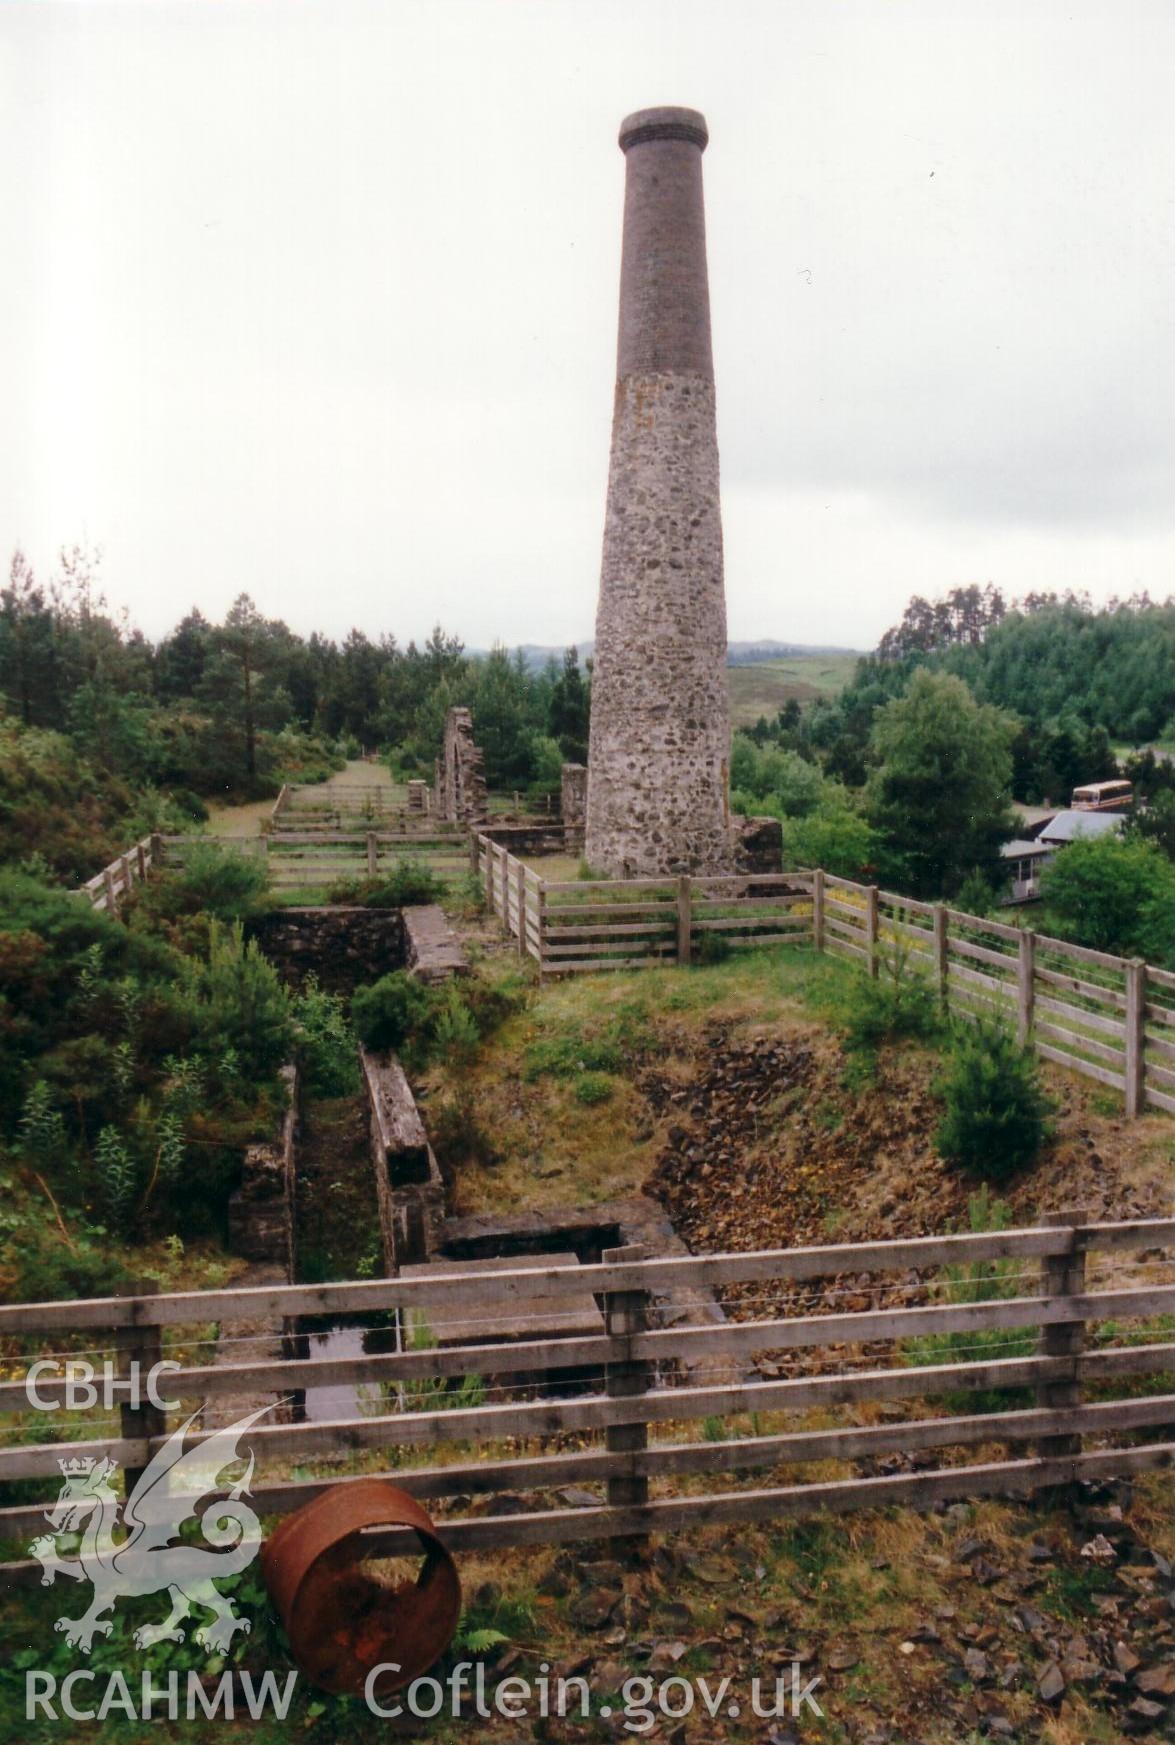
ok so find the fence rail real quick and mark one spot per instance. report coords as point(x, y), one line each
point(107, 889)
point(572, 926)
point(1109, 1019)
point(641, 1371)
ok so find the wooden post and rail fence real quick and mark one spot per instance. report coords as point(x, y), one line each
point(1107, 1018)
point(1082, 1411)
point(1110, 1019)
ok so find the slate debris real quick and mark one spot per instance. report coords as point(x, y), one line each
point(992, 1661)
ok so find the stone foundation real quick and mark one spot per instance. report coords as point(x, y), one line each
point(343, 944)
point(432, 950)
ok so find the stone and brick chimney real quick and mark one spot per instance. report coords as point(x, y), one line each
point(659, 757)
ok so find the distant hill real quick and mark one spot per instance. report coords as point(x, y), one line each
point(752, 653)
point(761, 686)
point(536, 655)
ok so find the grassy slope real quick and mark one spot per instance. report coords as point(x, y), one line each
point(763, 689)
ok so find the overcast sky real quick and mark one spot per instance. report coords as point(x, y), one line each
point(317, 299)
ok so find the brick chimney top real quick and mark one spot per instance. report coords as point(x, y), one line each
point(649, 124)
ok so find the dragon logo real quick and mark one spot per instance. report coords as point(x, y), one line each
point(150, 1555)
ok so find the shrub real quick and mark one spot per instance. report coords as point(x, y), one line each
point(455, 1031)
point(326, 1047)
point(44, 1142)
point(38, 1263)
point(429, 1022)
point(713, 947)
point(900, 1005)
point(975, 896)
point(242, 1008)
point(228, 884)
point(387, 1012)
point(592, 1088)
point(997, 1115)
point(470, 897)
point(981, 1281)
point(410, 881)
point(458, 1134)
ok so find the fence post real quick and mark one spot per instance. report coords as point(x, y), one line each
point(141, 860)
point(626, 1313)
point(818, 908)
point(685, 917)
point(156, 849)
point(941, 959)
point(372, 854)
point(139, 1348)
point(1062, 1275)
point(474, 853)
point(520, 886)
point(872, 917)
point(503, 885)
point(1135, 1038)
point(1025, 985)
point(541, 925)
point(108, 883)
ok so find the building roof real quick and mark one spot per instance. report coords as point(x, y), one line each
point(1068, 826)
point(1023, 850)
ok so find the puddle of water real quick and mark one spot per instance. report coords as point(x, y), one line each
point(345, 1399)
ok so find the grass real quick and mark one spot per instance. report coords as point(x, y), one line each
point(558, 1141)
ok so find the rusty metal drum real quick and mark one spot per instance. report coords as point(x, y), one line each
point(341, 1619)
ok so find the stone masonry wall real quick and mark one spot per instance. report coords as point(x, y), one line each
point(460, 779)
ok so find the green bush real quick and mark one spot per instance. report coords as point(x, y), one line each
point(592, 1088)
point(410, 881)
point(997, 1116)
point(65, 972)
point(454, 1030)
point(242, 1009)
point(713, 947)
point(325, 1044)
point(900, 1005)
point(386, 1013)
point(458, 1133)
point(229, 884)
point(428, 1023)
point(39, 1264)
point(975, 896)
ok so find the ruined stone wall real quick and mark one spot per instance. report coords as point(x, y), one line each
point(261, 1213)
point(342, 944)
point(573, 800)
point(659, 758)
point(460, 776)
